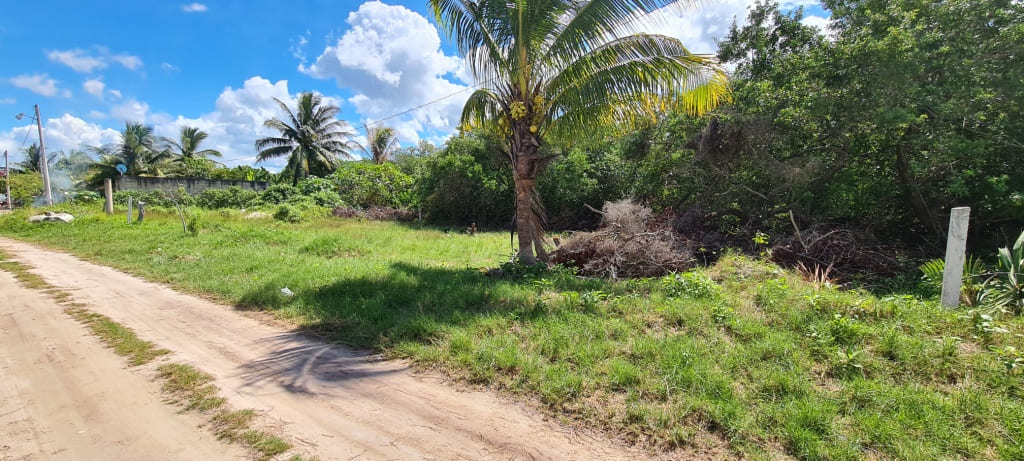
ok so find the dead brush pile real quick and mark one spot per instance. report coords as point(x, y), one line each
point(844, 252)
point(631, 242)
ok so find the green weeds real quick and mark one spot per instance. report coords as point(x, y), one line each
point(741, 354)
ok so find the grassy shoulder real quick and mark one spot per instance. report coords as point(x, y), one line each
point(742, 351)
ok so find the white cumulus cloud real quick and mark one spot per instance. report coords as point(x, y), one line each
point(99, 58)
point(40, 84)
point(128, 61)
point(237, 120)
point(697, 28)
point(94, 87)
point(130, 110)
point(194, 8)
point(816, 21)
point(391, 58)
point(64, 133)
point(77, 59)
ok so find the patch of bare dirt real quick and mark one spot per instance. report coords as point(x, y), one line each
point(63, 395)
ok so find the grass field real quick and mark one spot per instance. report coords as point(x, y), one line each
point(741, 354)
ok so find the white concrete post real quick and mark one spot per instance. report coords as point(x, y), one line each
point(956, 247)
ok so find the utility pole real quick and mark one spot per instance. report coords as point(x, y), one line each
point(42, 159)
point(7, 182)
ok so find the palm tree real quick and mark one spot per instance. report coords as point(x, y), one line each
point(187, 145)
point(312, 138)
point(554, 68)
point(31, 163)
point(138, 150)
point(382, 143)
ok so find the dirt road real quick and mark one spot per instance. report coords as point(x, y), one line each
point(331, 401)
point(64, 396)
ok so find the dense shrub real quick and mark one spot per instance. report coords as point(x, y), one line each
point(278, 193)
point(24, 187)
point(288, 213)
point(83, 197)
point(580, 178)
point(327, 199)
point(468, 181)
point(367, 185)
point(313, 184)
point(232, 197)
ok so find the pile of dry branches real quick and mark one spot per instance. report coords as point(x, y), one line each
point(630, 243)
point(846, 251)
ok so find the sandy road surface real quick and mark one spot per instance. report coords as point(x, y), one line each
point(332, 401)
point(64, 396)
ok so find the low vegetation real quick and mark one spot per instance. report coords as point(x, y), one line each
point(741, 355)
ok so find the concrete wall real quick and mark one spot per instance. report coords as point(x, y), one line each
point(192, 185)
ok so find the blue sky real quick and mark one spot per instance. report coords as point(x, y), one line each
point(217, 65)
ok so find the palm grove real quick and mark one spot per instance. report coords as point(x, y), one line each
point(904, 110)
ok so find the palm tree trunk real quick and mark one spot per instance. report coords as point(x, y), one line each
point(526, 166)
point(524, 216)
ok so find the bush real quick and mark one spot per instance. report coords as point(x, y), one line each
point(467, 182)
point(156, 198)
point(288, 213)
point(84, 197)
point(232, 197)
point(368, 185)
point(121, 196)
point(690, 285)
point(312, 185)
point(327, 199)
point(278, 194)
point(24, 187)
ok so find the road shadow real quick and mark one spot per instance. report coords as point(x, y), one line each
point(297, 363)
point(409, 302)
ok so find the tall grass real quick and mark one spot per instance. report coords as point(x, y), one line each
point(742, 353)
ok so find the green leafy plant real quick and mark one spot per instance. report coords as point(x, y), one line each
point(1010, 357)
point(288, 213)
point(984, 325)
point(1008, 283)
point(848, 362)
point(690, 284)
point(975, 286)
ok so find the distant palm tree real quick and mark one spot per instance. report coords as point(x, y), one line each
point(187, 145)
point(312, 138)
point(31, 162)
point(138, 150)
point(381, 143)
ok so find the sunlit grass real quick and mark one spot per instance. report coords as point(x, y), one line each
point(743, 351)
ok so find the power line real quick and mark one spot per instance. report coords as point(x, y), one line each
point(28, 130)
